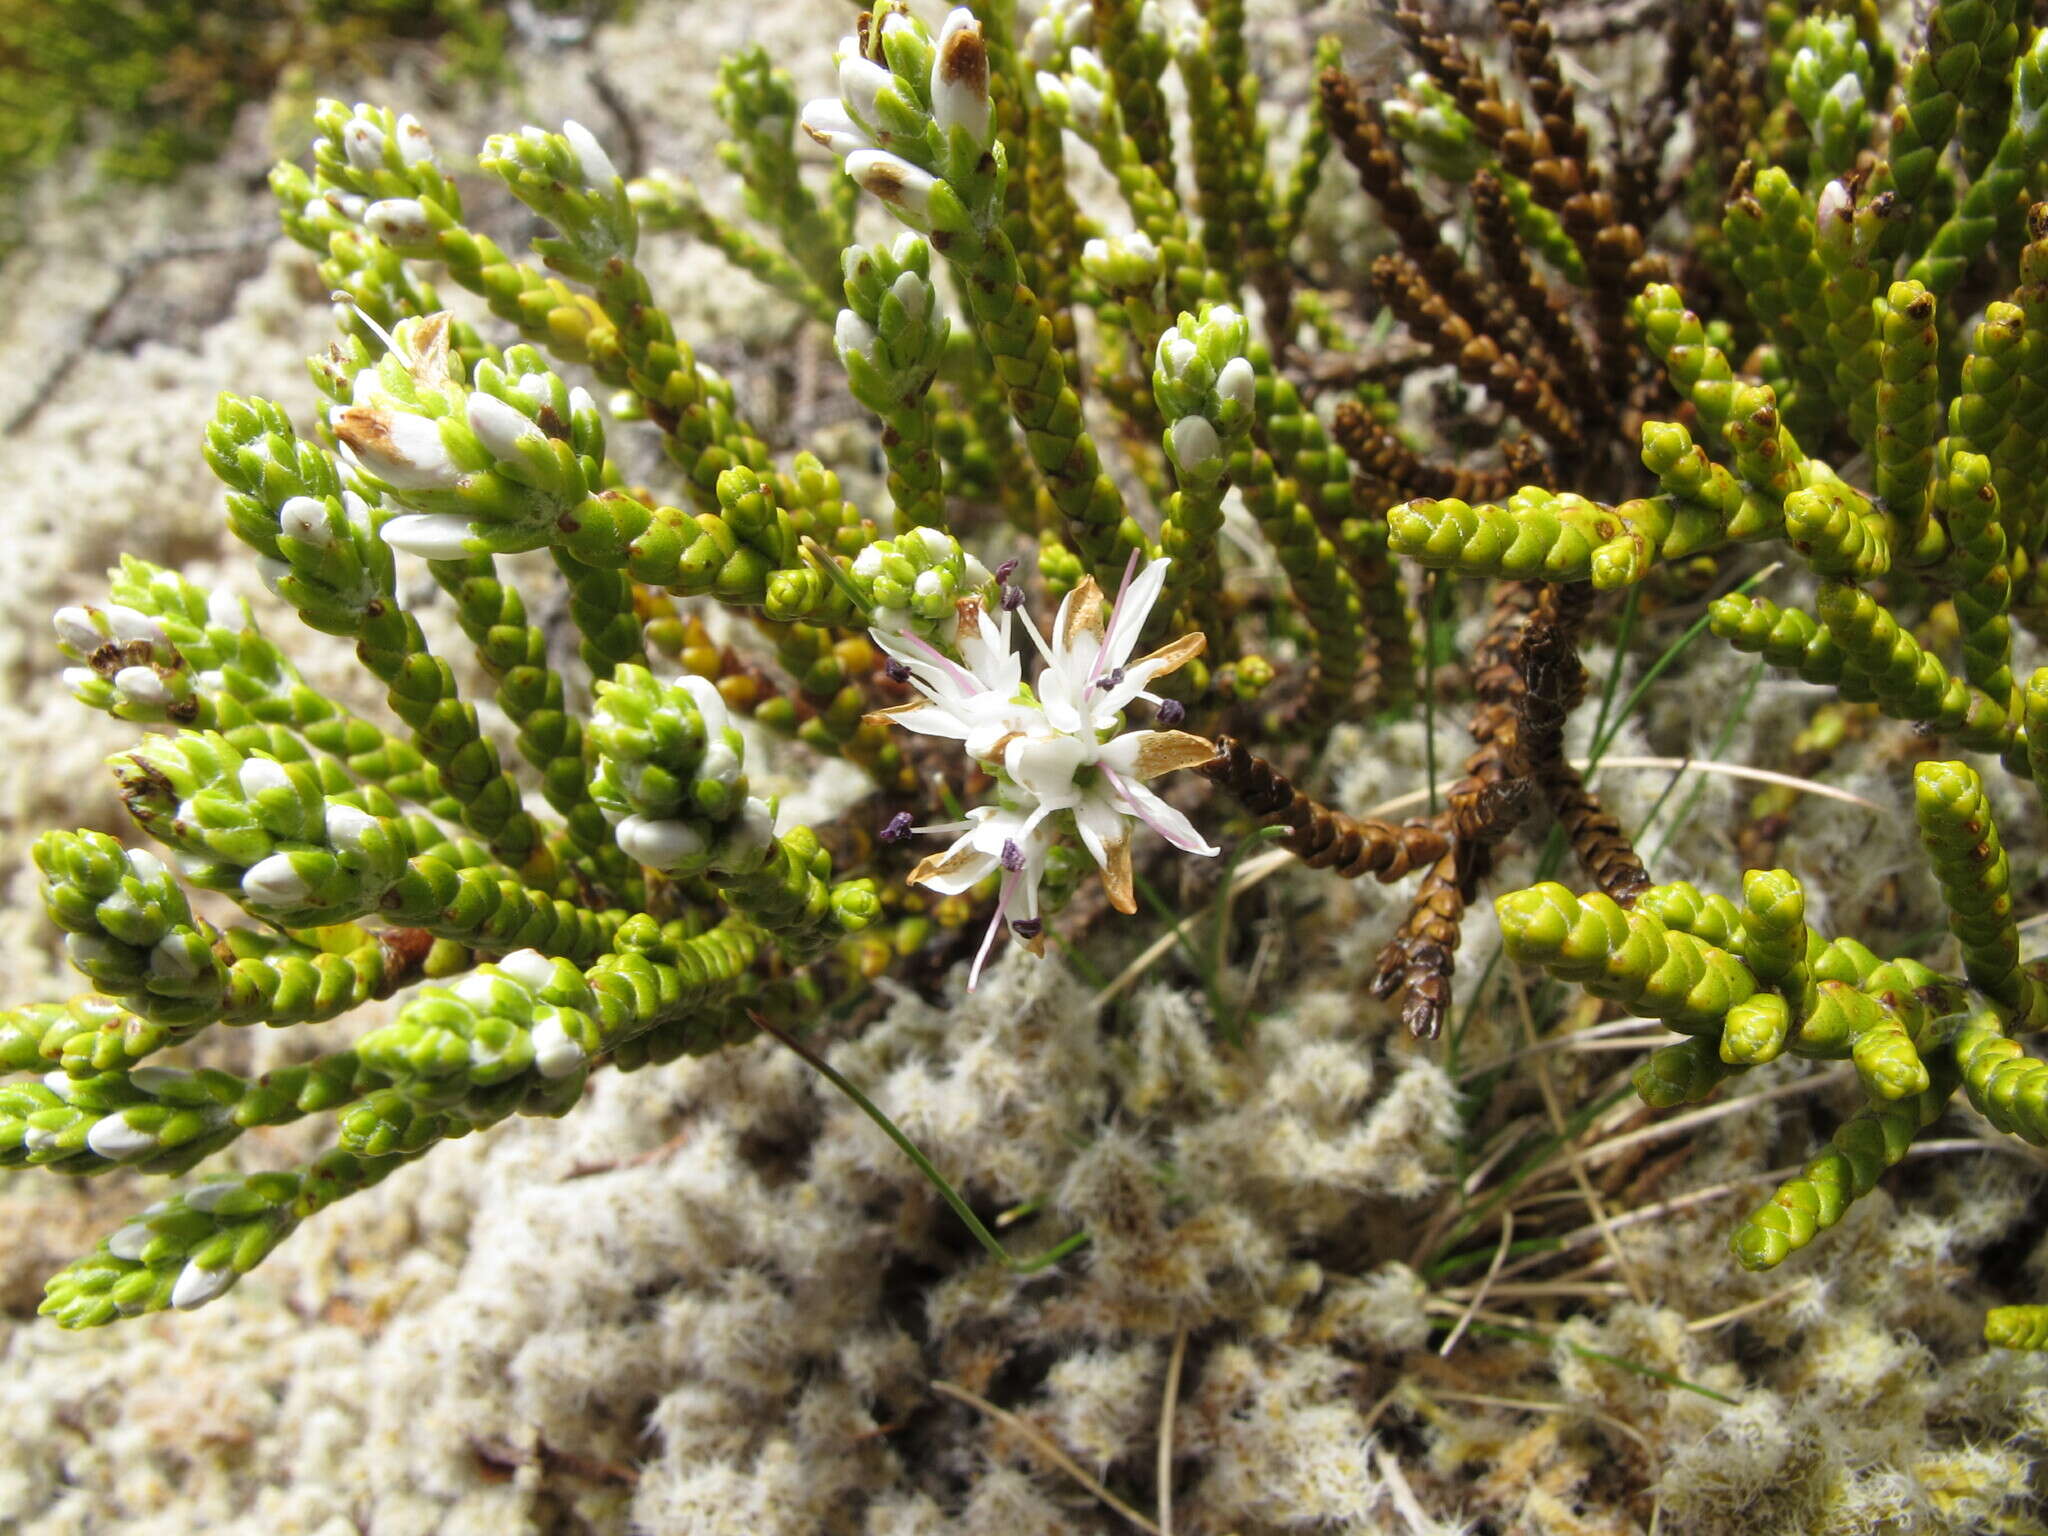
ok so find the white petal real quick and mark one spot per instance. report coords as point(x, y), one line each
point(1133, 608)
point(1046, 765)
point(1162, 818)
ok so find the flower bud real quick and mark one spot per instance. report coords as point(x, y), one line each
point(1194, 444)
point(362, 141)
point(500, 427)
point(861, 83)
point(591, 159)
point(399, 221)
point(430, 535)
point(305, 518)
point(414, 147)
point(851, 334)
point(1236, 382)
point(959, 82)
point(274, 882)
point(401, 448)
point(827, 121)
point(894, 180)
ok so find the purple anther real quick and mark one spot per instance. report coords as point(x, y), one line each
point(1172, 712)
point(1013, 599)
point(1115, 677)
point(1028, 928)
point(895, 670)
point(1013, 856)
point(896, 828)
point(1003, 570)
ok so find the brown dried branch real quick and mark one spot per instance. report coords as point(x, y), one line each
point(1479, 358)
point(1321, 837)
point(1384, 458)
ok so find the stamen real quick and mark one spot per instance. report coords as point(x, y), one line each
point(896, 828)
point(1013, 856)
point(1013, 599)
point(342, 296)
point(1028, 928)
point(968, 680)
point(1172, 712)
point(895, 670)
point(1003, 571)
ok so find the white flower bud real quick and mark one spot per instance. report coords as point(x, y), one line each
point(1836, 203)
point(1847, 93)
point(274, 882)
point(414, 147)
point(1194, 443)
point(959, 82)
point(591, 159)
point(146, 865)
point(479, 989)
point(430, 535)
point(1236, 381)
point(197, 1285)
point(710, 704)
point(272, 573)
point(937, 543)
point(851, 334)
point(913, 293)
point(76, 629)
point(401, 448)
point(128, 625)
point(399, 221)
point(721, 764)
point(211, 1197)
point(827, 122)
point(348, 828)
point(1176, 354)
point(861, 83)
point(500, 427)
point(750, 837)
point(116, 1140)
point(554, 1053)
point(173, 960)
point(305, 518)
point(867, 564)
point(894, 180)
point(528, 967)
point(261, 775)
point(226, 610)
point(131, 1241)
point(362, 141)
point(142, 685)
point(580, 403)
point(659, 844)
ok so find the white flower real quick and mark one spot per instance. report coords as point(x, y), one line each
point(1058, 749)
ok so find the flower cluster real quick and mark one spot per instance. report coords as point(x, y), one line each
point(1058, 749)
